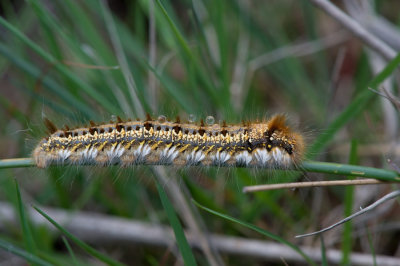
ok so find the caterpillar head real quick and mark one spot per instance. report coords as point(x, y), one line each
point(277, 137)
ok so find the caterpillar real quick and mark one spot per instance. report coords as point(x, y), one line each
point(260, 144)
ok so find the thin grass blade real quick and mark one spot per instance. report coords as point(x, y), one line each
point(324, 261)
point(61, 68)
point(348, 208)
point(70, 251)
point(6, 246)
point(353, 109)
point(181, 240)
point(259, 230)
point(26, 230)
point(79, 242)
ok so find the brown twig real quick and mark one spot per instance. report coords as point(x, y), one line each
point(382, 200)
point(349, 23)
point(370, 181)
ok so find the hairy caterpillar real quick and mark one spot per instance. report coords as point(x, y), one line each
point(261, 144)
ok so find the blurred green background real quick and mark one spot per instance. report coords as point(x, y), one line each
point(75, 61)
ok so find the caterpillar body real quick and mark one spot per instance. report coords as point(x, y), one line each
point(261, 144)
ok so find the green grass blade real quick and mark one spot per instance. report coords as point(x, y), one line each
point(22, 253)
point(348, 209)
point(49, 83)
point(350, 170)
point(324, 261)
point(181, 240)
point(77, 11)
point(181, 40)
point(371, 246)
point(61, 68)
point(48, 35)
point(70, 251)
point(353, 109)
point(122, 60)
point(79, 242)
point(26, 230)
point(259, 230)
point(26, 40)
point(16, 163)
point(14, 111)
point(192, 59)
point(309, 166)
point(173, 91)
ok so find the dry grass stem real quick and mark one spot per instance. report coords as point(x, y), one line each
point(186, 213)
point(293, 185)
point(352, 25)
point(382, 200)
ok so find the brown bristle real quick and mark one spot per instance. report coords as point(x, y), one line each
point(92, 124)
point(201, 132)
point(202, 123)
point(147, 125)
point(119, 120)
point(178, 119)
point(148, 117)
point(177, 129)
point(118, 127)
point(224, 123)
point(66, 127)
point(277, 122)
point(50, 126)
point(299, 146)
